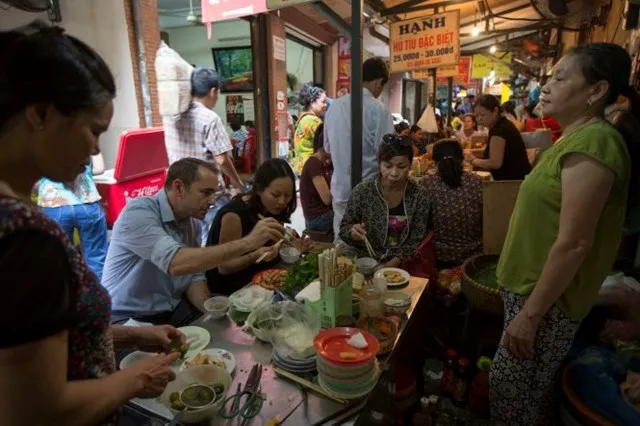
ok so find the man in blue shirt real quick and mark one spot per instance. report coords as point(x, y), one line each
point(155, 266)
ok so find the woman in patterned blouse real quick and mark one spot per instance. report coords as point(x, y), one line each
point(56, 344)
point(456, 205)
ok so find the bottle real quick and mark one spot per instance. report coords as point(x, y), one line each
point(371, 303)
point(447, 384)
point(382, 401)
point(479, 395)
point(423, 417)
point(461, 383)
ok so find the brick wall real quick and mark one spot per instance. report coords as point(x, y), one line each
point(151, 36)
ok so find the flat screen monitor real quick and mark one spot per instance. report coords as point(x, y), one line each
point(235, 66)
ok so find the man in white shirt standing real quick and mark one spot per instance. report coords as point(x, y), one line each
point(199, 133)
point(377, 121)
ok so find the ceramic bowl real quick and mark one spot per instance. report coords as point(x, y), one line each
point(366, 265)
point(217, 306)
point(202, 375)
point(290, 255)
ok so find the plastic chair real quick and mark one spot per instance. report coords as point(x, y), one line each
point(248, 153)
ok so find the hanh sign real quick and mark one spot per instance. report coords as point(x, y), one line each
point(277, 4)
point(484, 64)
point(428, 42)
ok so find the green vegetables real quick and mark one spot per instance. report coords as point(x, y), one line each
point(487, 275)
point(177, 346)
point(303, 272)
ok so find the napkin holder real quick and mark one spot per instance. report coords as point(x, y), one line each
point(335, 302)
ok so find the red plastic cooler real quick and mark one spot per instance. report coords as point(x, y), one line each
point(140, 170)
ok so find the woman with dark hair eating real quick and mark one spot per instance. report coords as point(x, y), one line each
point(273, 195)
point(388, 210)
point(456, 206)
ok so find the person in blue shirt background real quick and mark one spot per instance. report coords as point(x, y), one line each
point(76, 205)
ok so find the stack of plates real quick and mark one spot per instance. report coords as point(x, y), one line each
point(343, 370)
point(294, 365)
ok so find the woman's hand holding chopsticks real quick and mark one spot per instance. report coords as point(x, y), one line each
point(265, 230)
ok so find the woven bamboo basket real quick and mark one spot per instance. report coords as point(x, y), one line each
point(481, 297)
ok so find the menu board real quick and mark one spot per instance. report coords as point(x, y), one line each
point(428, 42)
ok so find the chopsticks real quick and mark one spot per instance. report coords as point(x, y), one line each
point(367, 244)
point(277, 245)
point(307, 384)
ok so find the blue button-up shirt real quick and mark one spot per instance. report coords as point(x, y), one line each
point(377, 121)
point(145, 238)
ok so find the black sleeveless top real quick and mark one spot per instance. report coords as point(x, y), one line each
point(515, 165)
point(227, 284)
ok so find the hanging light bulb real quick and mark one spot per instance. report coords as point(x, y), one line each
point(475, 31)
point(493, 49)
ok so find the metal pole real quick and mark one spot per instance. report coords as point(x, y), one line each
point(356, 92)
point(141, 56)
point(449, 98)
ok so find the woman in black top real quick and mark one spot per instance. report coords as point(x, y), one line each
point(505, 155)
point(273, 195)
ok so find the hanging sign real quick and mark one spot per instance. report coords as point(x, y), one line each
point(277, 4)
point(484, 64)
point(428, 42)
point(223, 10)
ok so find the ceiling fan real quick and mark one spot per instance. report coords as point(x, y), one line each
point(191, 16)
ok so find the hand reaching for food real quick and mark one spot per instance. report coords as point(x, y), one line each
point(358, 232)
point(266, 230)
point(304, 244)
point(157, 338)
point(152, 374)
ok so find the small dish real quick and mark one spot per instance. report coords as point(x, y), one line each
point(217, 306)
point(290, 255)
point(366, 265)
point(396, 302)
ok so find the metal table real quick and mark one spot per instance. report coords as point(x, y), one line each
point(248, 350)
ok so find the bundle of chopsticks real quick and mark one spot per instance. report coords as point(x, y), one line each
point(333, 269)
point(289, 233)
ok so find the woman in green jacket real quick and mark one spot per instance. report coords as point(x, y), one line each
point(389, 209)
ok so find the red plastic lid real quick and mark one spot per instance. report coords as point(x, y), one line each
point(140, 153)
point(451, 353)
point(330, 344)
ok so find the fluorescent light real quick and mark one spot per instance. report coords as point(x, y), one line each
point(475, 31)
point(493, 49)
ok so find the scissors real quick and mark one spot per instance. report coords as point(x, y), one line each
point(234, 406)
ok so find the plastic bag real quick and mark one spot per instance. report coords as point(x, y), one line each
point(293, 335)
point(174, 81)
point(427, 121)
point(249, 298)
point(265, 319)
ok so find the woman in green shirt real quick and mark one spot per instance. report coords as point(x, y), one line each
point(314, 102)
point(564, 232)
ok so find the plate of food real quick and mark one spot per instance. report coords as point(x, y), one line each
point(271, 279)
point(395, 277)
point(218, 357)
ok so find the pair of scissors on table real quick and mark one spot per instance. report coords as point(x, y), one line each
point(234, 406)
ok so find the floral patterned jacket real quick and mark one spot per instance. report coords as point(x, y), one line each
point(366, 205)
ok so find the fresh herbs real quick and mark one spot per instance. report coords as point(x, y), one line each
point(303, 272)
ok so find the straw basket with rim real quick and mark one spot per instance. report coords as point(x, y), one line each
point(481, 297)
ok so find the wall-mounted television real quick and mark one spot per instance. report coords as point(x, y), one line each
point(235, 66)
